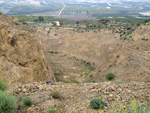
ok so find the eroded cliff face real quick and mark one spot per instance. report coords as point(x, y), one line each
point(22, 58)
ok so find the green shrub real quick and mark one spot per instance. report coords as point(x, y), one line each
point(97, 103)
point(51, 111)
point(56, 95)
point(91, 68)
point(91, 76)
point(74, 81)
point(17, 23)
point(110, 65)
point(3, 86)
point(110, 76)
point(128, 28)
point(88, 63)
point(7, 103)
point(93, 81)
point(27, 102)
point(144, 39)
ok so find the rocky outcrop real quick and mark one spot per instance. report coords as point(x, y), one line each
point(22, 58)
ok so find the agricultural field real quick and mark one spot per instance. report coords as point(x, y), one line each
point(79, 11)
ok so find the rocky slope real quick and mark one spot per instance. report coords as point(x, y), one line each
point(22, 58)
point(127, 57)
point(75, 98)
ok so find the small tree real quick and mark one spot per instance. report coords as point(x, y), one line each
point(41, 19)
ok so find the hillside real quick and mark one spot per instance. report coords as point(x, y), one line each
point(22, 58)
point(106, 50)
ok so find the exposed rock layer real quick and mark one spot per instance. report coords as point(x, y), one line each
point(22, 58)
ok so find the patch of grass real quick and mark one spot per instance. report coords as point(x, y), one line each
point(86, 74)
point(25, 111)
point(44, 99)
point(7, 103)
point(57, 75)
point(74, 81)
point(92, 68)
point(118, 82)
point(27, 102)
point(3, 86)
point(133, 107)
point(88, 64)
point(20, 98)
point(56, 95)
point(34, 90)
point(51, 111)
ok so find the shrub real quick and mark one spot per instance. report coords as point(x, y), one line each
point(97, 103)
point(110, 76)
point(7, 103)
point(17, 23)
point(118, 56)
point(56, 95)
point(3, 86)
point(110, 65)
point(144, 39)
point(91, 68)
point(128, 28)
point(27, 102)
point(51, 111)
point(93, 81)
point(91, 76)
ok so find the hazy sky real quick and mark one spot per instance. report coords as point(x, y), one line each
point(93, 1)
